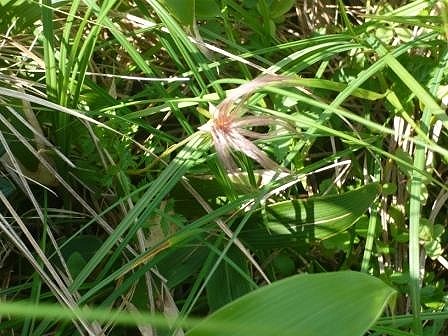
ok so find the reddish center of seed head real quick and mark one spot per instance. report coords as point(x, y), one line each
point(223, 123)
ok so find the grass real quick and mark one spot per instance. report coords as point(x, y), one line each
point(161, 162)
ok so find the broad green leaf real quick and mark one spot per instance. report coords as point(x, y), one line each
point(284, 265)
point(316, 218)
point(183, 10)
point(186, 11)
point(75, 263)
point(78, 251)
point(280, 7)
point(339, 303)
point(206, 9)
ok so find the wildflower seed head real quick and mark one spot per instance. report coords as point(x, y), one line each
point(228, 125)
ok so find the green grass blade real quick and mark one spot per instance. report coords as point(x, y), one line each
point(422, 94)
point(51, 77)
point(417, 181)
point(147, 203)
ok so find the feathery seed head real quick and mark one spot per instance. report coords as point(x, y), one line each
point(228, 126)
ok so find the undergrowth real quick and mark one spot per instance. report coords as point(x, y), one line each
point(162, 159)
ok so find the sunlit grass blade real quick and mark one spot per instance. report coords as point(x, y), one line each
point(49, 52)
point(144, 207)
point(415, 193)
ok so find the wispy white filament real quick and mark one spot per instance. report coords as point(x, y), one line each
point(228, 125)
